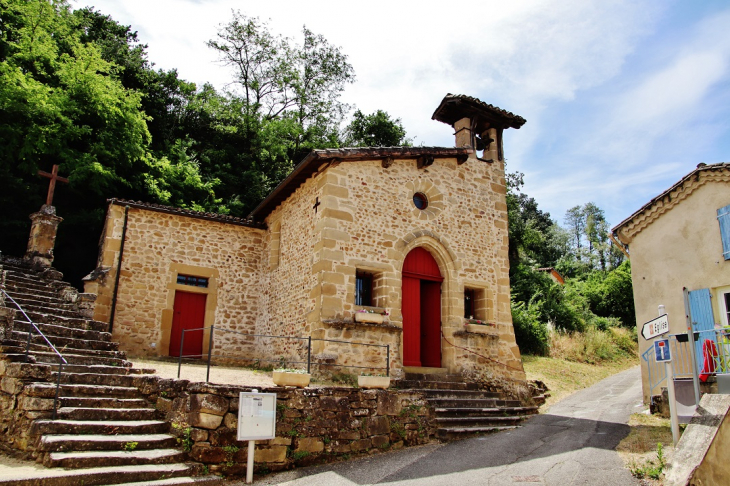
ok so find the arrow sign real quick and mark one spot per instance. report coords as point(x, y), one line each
point(655, 327)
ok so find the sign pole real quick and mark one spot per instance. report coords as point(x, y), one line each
point(692, 350)
point(252, 447)
point(669, 373)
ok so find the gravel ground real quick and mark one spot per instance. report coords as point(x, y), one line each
point(222, 375)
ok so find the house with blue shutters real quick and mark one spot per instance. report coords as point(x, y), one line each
point(680, 241)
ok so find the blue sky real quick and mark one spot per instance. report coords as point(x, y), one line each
point(621, 98)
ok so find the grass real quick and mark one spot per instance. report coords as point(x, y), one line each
point(647, 446)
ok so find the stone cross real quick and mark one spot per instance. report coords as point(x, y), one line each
point(52, 186)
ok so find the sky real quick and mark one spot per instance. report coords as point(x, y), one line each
point(622, 98)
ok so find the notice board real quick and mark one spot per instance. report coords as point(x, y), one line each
point(256, 416)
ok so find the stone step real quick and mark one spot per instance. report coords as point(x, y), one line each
point(210, 480)
point(51, 310)
point(445, 422)
point(26, 300)
point(444, 394)
point(61, 342)
point(482, 412)
point(462, 402)
point(100, 379)
point(55, 330)
point(43, 354)
point(19, 281)
point(453, 433)
point(113, 414)
point(121, 442)
point(102, 402)
point(99, 476)
point(48, 390)
point(107, 427)
point(433, 377)
point(75, 322)
point(83, 459)
point(103, 369)
point(435, 385)
point(21, 295)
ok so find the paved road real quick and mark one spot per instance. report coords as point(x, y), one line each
point(573, 444)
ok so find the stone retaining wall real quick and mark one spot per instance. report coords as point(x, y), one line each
point(314, 425)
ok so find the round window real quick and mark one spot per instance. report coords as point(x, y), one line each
point(420, 200)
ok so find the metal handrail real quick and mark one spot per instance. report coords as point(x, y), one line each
point(309, 340)
point(61, 360)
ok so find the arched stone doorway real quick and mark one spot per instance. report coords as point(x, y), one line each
point(421, 308)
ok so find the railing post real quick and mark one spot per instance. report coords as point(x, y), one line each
point(387, 360)
point(210, 351)
point(309, 354)
point(179, 359)
point(58, 387)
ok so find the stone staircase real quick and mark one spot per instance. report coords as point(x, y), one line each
point(105, 431)
point(461, 409)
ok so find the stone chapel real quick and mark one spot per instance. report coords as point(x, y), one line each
point(398, 246)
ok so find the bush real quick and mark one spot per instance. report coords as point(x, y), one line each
point(593, 345)
point(531, 333)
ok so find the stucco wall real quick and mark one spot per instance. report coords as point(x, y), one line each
point(677, 244)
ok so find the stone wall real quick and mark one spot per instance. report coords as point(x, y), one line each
point(314, 425)
point(160, 246)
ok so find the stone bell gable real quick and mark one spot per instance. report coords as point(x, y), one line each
point(416, 236)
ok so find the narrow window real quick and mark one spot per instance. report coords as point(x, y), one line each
point(469, 303)
point(192, 281)
point(723, 216)
point(364, 289)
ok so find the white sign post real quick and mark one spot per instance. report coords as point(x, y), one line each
point(662, 353)
point(256, 421)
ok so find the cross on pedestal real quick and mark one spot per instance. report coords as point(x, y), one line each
point(53, 175)
point(316, 205)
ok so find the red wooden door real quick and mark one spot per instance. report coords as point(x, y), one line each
point(421, 307)
point(188, 313)
point(431, 323)
point(411, 321)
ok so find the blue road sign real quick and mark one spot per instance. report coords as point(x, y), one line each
point(661, 349)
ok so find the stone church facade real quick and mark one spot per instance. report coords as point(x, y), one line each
point(404, 247)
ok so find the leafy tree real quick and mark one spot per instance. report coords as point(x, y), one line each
point(375, 130)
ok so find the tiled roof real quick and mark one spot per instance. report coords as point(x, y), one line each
point(455, 107)
point(721, 166)
point(222, 218)
point(311, 163)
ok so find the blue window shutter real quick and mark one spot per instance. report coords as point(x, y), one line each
point(723, 216)
point(700, 305)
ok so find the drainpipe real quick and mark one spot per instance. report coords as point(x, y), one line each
point(119, 270)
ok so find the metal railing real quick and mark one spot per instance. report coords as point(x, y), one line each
point(712, 357)
point(308, 341)
point(61, 360)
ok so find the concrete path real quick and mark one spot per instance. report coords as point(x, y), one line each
point(572, 444)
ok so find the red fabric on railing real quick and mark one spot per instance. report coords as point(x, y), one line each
point(709, 351)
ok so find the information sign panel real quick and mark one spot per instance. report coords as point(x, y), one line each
point(661, 350)
point(655, 327)
point(256, 416)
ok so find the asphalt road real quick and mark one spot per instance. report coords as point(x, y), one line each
point(572, 444)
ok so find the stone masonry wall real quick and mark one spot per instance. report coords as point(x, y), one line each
point(158, 247)
point(314, 425)
point(368, 222)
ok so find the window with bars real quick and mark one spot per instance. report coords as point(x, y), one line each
point(192, 281)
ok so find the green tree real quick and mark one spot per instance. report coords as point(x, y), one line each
point(375, 130)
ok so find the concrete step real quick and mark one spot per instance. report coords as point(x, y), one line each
point(484, 412)
point(453, 433)
point(93, 427)
point(102, 402)
point(98, 476)
point(103, 414)
point(61, 342)
point(78, 460)
point(55, 330)
point(121, 442)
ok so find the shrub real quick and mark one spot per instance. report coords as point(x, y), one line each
point(531, 334)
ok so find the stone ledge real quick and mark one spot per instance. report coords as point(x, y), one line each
point(467, 333)
point(346, 324)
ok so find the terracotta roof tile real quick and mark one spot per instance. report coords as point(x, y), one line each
point(222, 218)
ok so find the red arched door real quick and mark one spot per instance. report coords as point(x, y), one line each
point(421, 307)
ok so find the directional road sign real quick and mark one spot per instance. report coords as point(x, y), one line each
point(655, 327)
